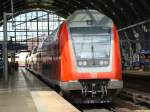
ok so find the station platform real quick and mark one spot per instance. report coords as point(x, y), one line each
point(136, 73)
point(138, 80)
point(23, 92)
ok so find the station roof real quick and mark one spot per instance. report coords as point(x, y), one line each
point(123, 12)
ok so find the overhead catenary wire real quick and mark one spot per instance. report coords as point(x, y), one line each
point(134, 25)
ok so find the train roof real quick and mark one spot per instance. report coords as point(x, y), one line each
point(91, 17)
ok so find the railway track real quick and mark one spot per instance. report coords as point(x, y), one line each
point(136, 87)
point(119, 105)
point(136, 96)
point(137, 82)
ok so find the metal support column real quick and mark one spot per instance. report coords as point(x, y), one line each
point(26, 29)
point(5, 53)
point(130, 49)
point(48, 23)
point(37, 28)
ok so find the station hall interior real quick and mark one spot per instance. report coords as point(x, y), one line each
point(26, 24)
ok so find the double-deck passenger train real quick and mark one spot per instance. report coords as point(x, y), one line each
point(81, 58)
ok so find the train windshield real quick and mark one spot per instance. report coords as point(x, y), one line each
point(91, 42)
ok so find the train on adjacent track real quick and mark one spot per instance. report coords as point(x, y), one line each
point(81, 58)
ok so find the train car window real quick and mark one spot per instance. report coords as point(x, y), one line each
point(35, 50)
point(45, 43)
point(91, 42)
point(39, 49)
point(54, 34)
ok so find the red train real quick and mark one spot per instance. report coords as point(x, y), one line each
point(81, 58)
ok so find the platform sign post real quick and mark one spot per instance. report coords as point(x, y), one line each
point(5, 50)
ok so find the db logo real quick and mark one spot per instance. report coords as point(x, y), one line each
point(93, 75)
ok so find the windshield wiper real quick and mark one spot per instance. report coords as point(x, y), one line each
point(92, 49)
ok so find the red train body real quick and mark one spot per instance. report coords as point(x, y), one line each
point(82, 58)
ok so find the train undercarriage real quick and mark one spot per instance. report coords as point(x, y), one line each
point(92, 91)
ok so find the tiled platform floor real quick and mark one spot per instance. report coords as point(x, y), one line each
point(23, 92)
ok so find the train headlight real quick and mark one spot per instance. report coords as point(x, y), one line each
point(101, 62)
point(106, 62)
point(80, 63)
point(84, 63)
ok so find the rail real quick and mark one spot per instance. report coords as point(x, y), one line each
point(136, 96)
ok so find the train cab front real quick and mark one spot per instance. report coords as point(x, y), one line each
point(89, 58)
